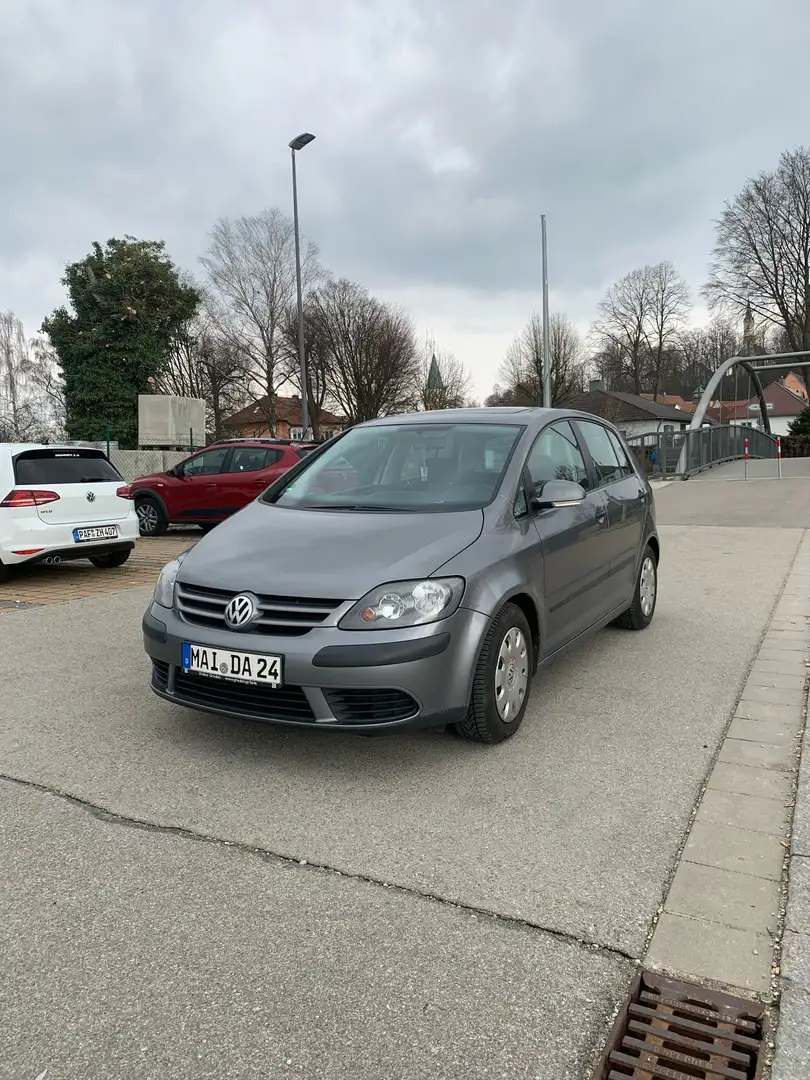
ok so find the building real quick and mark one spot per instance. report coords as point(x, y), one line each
point(631, 413)
point(255, 421)
point(784, 405)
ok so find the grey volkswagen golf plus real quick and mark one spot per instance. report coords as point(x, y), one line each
point(414, 571)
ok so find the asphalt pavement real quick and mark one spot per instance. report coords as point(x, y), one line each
point(187, 896)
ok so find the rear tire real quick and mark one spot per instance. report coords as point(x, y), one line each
point(502, 680)
point(640, 613)
point(152, 520)
point(111, 560)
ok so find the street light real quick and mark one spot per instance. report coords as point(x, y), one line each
point(298, 143)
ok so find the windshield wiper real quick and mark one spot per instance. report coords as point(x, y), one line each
point(361, 506)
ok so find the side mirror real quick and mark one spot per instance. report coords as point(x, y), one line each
point(556, 493)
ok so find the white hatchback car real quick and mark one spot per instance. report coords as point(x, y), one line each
point(59, 503)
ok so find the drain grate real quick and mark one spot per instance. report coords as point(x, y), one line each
point(672, 1030)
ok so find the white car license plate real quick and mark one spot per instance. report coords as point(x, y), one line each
point(96, 532)
point(224, 664)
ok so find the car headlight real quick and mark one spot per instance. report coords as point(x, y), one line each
point(164, 587)
point(405, 603)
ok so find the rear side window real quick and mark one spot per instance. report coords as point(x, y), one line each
point(603, 452)
point(252, 459)
point(36, 467)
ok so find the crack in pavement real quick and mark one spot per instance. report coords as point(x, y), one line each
point(110, 816)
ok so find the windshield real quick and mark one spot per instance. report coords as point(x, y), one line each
point(405, 467)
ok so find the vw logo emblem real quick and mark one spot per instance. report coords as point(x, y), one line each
point(240, 611)
point(90, 496)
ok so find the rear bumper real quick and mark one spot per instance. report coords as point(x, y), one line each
point(52, 541)
point(359, 682)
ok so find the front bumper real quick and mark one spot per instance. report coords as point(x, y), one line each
point(373, 681)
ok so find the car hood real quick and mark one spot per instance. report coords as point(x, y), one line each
point(331, 554)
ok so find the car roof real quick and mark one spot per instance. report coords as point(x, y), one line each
point(15, 449)
point(523, 416)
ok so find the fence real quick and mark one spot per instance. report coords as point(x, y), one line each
point(681, 453)
point(133, 463)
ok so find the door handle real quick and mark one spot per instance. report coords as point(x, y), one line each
point(601, 515)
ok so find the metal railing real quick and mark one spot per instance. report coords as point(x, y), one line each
point(681, 453)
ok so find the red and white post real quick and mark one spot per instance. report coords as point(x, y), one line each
point(779, 455)
point(746, 459)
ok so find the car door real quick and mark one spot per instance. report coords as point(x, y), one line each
point(571, 537)
point(249, 470)
point(626, 500)
point(199, 494)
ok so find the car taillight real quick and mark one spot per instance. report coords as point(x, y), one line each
point(32, 497)
point(125, 492)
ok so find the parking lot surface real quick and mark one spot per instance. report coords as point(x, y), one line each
point(191, 896)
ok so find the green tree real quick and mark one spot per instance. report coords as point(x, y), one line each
point(801, 425)
point(129, 308)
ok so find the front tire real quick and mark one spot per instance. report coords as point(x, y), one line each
point(640, 613)
point(502, 680)
point(111, 560)
point(152, 520)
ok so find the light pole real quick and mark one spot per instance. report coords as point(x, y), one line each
point(546, 343)
point(298, 143)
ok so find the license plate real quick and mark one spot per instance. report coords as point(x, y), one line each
point(224, 664)
point(96, 532)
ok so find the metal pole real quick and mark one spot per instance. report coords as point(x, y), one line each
point(107, 434)
point(302, 356)
point(546, 347)
point(779, 455)
point(746, 459)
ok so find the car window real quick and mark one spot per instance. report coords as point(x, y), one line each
point(63, 467)
point(253, 458)
point(605, 459)
point(624, 462)
point(208, 463)
point(406, 466)
point(556, 456)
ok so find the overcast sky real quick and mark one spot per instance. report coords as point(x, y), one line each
point(444, 129)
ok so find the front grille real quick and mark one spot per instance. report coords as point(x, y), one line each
point(283, 703)
point(282, 616)
point(160, 674)
point(370, 706)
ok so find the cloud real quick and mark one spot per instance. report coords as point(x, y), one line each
point(443, 132)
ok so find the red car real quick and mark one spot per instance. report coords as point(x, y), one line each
point(213, 483)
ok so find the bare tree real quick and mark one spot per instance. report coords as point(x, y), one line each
point(444, 381)
point(250, 265)
point(23, 412)
point(762, 250)
point(372, 354)
point(669, 307)
point(521, 372)
point(639, 321)
point(207, 364)
point(47, 377)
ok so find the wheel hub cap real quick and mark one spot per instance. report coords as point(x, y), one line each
point(647, 586)
point(511, 675)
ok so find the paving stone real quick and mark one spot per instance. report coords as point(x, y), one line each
point(800, 840)
point(706, 950)
point(764, 731)
point(773, 652)
point(789, 664)
point(750, 780)
point(792, 1060)
point(76, 580)
point(745, 752)
point(754, 691)
point(784, 641)
point(741, 850)
point(775, 680)
point(724, 896)
point(798, 912)
point(745, 812)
